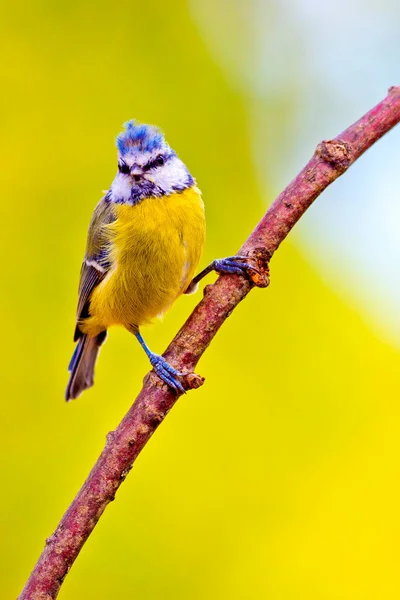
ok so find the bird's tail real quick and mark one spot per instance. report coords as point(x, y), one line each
point(82, 364)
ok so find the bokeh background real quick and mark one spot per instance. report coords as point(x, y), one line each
point(279, 478)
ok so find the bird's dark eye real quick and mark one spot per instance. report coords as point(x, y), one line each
point(123, 168)
point(157, 162)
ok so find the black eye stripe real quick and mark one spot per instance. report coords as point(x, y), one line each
point(157, 162)
point(123, 168)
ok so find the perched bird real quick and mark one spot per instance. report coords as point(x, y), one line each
point(144, 243)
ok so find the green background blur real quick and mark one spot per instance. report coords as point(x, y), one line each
point(279, 478)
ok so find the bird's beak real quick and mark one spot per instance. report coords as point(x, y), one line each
point(136, 171)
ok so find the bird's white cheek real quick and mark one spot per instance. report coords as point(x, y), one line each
point(121, 187)
point(171, 174)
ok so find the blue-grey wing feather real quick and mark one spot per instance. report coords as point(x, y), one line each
point(96, 263)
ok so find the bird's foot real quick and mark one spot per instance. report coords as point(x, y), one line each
point(173, 378)
point(244, 266)
point(255, 267)
point(179, 382)
point(167, 373)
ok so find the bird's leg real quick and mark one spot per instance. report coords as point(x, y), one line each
point(164, 370)
point(237, 265)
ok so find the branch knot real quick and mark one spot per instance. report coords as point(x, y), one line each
point(261, 257)
point(337, 154)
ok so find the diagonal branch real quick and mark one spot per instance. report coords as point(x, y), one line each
point(330, 160)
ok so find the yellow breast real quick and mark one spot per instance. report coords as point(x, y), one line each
point(156, 247)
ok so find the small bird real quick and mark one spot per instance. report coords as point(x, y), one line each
point(144, 243)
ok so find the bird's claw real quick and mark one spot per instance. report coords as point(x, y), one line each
point(167, 373)
point(241, 265)
point(237, 265)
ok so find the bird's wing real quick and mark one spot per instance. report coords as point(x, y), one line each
point(96, 263)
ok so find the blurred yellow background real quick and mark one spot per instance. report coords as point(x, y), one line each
point(279, 478)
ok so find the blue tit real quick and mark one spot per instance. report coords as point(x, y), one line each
point(144, 243)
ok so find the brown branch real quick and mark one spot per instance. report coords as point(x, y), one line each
point(329, 161)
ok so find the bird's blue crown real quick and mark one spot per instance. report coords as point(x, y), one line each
point(147, 166)
point(136, 136)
